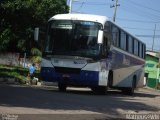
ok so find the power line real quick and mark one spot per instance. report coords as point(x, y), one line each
point(127, 9)
point(147, 12)
point(148, 36)
point(80, 6)
point(134, 20)
point(140, 12)
point(143, 6)
point(140, 28)
point(93, 3)
point(107, 3)
point(79, 12)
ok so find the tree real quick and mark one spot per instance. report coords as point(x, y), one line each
point(5, 38)
point(36, 55)
point(18, 18)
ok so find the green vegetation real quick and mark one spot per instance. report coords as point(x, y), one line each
point(36, 55)
point(16, 72)
point(18, 18)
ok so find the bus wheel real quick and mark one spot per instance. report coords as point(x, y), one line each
point(101, 90)
point(130, 91)
point(62, 87)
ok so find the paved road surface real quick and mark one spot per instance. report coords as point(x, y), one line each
point(42, 103)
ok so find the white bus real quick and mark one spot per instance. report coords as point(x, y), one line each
point(92, 51)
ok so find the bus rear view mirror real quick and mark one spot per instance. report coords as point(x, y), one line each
point(36, 34)
point(100, 36)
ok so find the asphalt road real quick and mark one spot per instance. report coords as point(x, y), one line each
point(45, 103)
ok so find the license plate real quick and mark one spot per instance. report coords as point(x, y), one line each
point(65, 75)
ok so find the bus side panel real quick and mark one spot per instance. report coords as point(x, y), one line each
point(141, 83)
point(125, 66)
point(123, 77)
point(102, 68)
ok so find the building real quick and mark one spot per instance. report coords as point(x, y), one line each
point(152, 71)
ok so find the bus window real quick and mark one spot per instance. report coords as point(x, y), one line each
point(123, 40)
point(126, 42)
point(140, 50)
point(115, 36)
point(135, 47)
point(130, 44)
point(107, 27)
point(143, 51)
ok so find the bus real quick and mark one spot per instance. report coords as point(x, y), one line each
point(84, 50)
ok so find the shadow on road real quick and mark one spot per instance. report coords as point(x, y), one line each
point(110, 92)
point(41, 98)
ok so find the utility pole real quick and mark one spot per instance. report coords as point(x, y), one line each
point(115, 9)
point(154, 37)
point(70, 6)
point(158, 72)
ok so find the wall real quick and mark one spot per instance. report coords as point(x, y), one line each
point(151, 68)
point(13, 59)
point(9, 58)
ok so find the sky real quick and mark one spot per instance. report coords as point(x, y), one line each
point(138, 17)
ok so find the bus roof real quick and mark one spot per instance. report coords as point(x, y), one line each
point(86, 17)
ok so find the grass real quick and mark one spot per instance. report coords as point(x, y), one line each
point(17, 72)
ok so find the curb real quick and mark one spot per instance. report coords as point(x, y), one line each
point(49, 83)
point(150, 89)
point(8, 80)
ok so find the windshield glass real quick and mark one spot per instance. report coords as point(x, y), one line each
point(78, 38)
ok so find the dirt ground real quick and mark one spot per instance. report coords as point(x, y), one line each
point(46, 102)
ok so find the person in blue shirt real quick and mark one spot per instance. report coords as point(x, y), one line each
point(32, 70)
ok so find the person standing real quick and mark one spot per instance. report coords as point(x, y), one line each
point(32, 70)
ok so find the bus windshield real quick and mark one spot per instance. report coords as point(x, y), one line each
point(73, 37)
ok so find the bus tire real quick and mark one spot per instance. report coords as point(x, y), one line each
point(62, 87)
point(100, 90)
point(130, 91)
point(110, 78)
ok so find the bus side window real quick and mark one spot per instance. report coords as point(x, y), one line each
point(140, 50)
point(135, 47)
point(123, 40)
point(143, 51)
point(130, 44)
point(127, 44)
point(115, 36)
